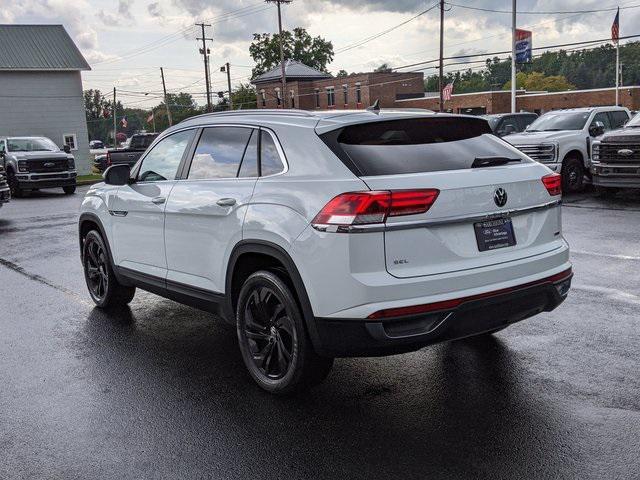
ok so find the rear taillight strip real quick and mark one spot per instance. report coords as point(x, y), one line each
point(456, 302)
point(387, 227)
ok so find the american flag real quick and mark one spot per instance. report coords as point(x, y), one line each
point(447, 91)
point(615, 28)
point(123, 122)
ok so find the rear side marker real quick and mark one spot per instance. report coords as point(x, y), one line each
point(559, 279)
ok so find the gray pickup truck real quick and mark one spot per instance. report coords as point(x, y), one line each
point(138, 143)
point(615, 159)
point(32, 163)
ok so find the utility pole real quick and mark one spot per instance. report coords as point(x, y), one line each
point(227, 68)
point(441, 66)
point(283, 95)
point(115, 122)
point(166, 100)
point(205, 54)
point(513, 58)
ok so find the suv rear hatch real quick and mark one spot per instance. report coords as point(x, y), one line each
point(492, 204)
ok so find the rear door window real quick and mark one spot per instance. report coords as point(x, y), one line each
point(219, 152)
point(416, 145)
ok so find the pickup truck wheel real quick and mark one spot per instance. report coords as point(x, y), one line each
point(70, 190)
point(273, 339)
point(102, 283)
point(606, 192)
point(572, 175)
point(16, 191)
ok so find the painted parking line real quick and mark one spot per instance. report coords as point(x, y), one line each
point(606, 255)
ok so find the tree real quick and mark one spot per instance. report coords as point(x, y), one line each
point(95, 105)
point(315, 52)
point(182, 106)
point(244, 96)
point(536, 81)
point(384, 68)
point(342, 73)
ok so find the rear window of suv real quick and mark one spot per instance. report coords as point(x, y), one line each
point(416, 145)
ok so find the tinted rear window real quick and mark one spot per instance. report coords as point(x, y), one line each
point(416, 145)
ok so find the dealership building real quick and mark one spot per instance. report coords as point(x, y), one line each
point(41, 87)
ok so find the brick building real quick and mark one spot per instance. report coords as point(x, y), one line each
point(538, 102)
point(310, 89)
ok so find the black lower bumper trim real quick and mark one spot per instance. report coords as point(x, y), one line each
point(363, 337)
point(58, 182)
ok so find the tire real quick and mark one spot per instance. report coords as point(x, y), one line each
point(16, 191)
point(69, 190)
point(102, 283)
point(572, 175)
point(272, 336)
point(606, 192)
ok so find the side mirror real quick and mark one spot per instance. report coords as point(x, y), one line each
point(596, 129)
point(66, 149)
point(117, 174)
point(508, 129)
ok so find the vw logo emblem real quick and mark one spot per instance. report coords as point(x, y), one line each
point(500, 197)
point(625, 152)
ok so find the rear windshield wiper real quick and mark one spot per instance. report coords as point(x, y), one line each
point(480, 162)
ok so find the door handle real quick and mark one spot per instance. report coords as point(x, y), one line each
point(159, 200)
point(226, 202)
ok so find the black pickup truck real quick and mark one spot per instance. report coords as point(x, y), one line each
point(615, 159)
point(138, 144)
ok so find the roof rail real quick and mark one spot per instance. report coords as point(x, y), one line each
point(256, 111)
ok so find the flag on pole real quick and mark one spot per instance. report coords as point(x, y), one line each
point(447, 91)
point(615, 28)
point(150, 118)
point(123, 122)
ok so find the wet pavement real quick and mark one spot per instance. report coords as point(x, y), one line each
point(159, 390)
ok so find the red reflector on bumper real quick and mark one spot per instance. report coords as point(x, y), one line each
point(454, 303)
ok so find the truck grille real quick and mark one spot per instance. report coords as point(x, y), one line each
point(609, 153)
point(48, 165)
point(544, 153)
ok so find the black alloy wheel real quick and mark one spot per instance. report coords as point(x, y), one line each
point(95, 264)
point(104, 288)
point(273, 338)
point(270, 333)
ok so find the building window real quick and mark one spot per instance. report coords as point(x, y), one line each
point(345, 93)
point(293, 99)
point(358, 93)
point(331, 96)
point(70, 139)
point(264, 98)
point(278, 97)
point(316, 94)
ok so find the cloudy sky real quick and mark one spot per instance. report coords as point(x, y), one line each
point(126, 41)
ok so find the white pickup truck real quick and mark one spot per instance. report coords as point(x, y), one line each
point(561, 139)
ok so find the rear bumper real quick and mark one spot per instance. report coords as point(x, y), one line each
point(472, 316)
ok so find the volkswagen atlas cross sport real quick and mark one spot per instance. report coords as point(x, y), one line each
point(331, 234)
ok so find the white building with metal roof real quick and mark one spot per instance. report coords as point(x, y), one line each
point(41, 87)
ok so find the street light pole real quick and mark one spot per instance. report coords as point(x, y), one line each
point(283, 95)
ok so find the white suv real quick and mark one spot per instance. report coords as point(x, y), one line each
point(330, 234)
point(561, 139)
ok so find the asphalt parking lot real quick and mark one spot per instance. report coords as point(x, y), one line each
point(160, 391)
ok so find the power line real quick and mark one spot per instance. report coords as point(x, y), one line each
point(382, 33)
point(540, 12)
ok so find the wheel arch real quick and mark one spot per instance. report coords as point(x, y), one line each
point(575, 153)
point(266, 249)
point(90, 221)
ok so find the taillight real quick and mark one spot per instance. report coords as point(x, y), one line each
point(553, 183)
point(108, 159)
point(363, 208)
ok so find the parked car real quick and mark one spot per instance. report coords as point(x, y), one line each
point(32, 163)
point(504, 124)
point(305, 232)
point(615, 160)
point(96, 144)
point(5, 193)
point(129, 154)
point(561, 139)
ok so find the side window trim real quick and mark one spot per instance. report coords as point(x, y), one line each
point(281, 154)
